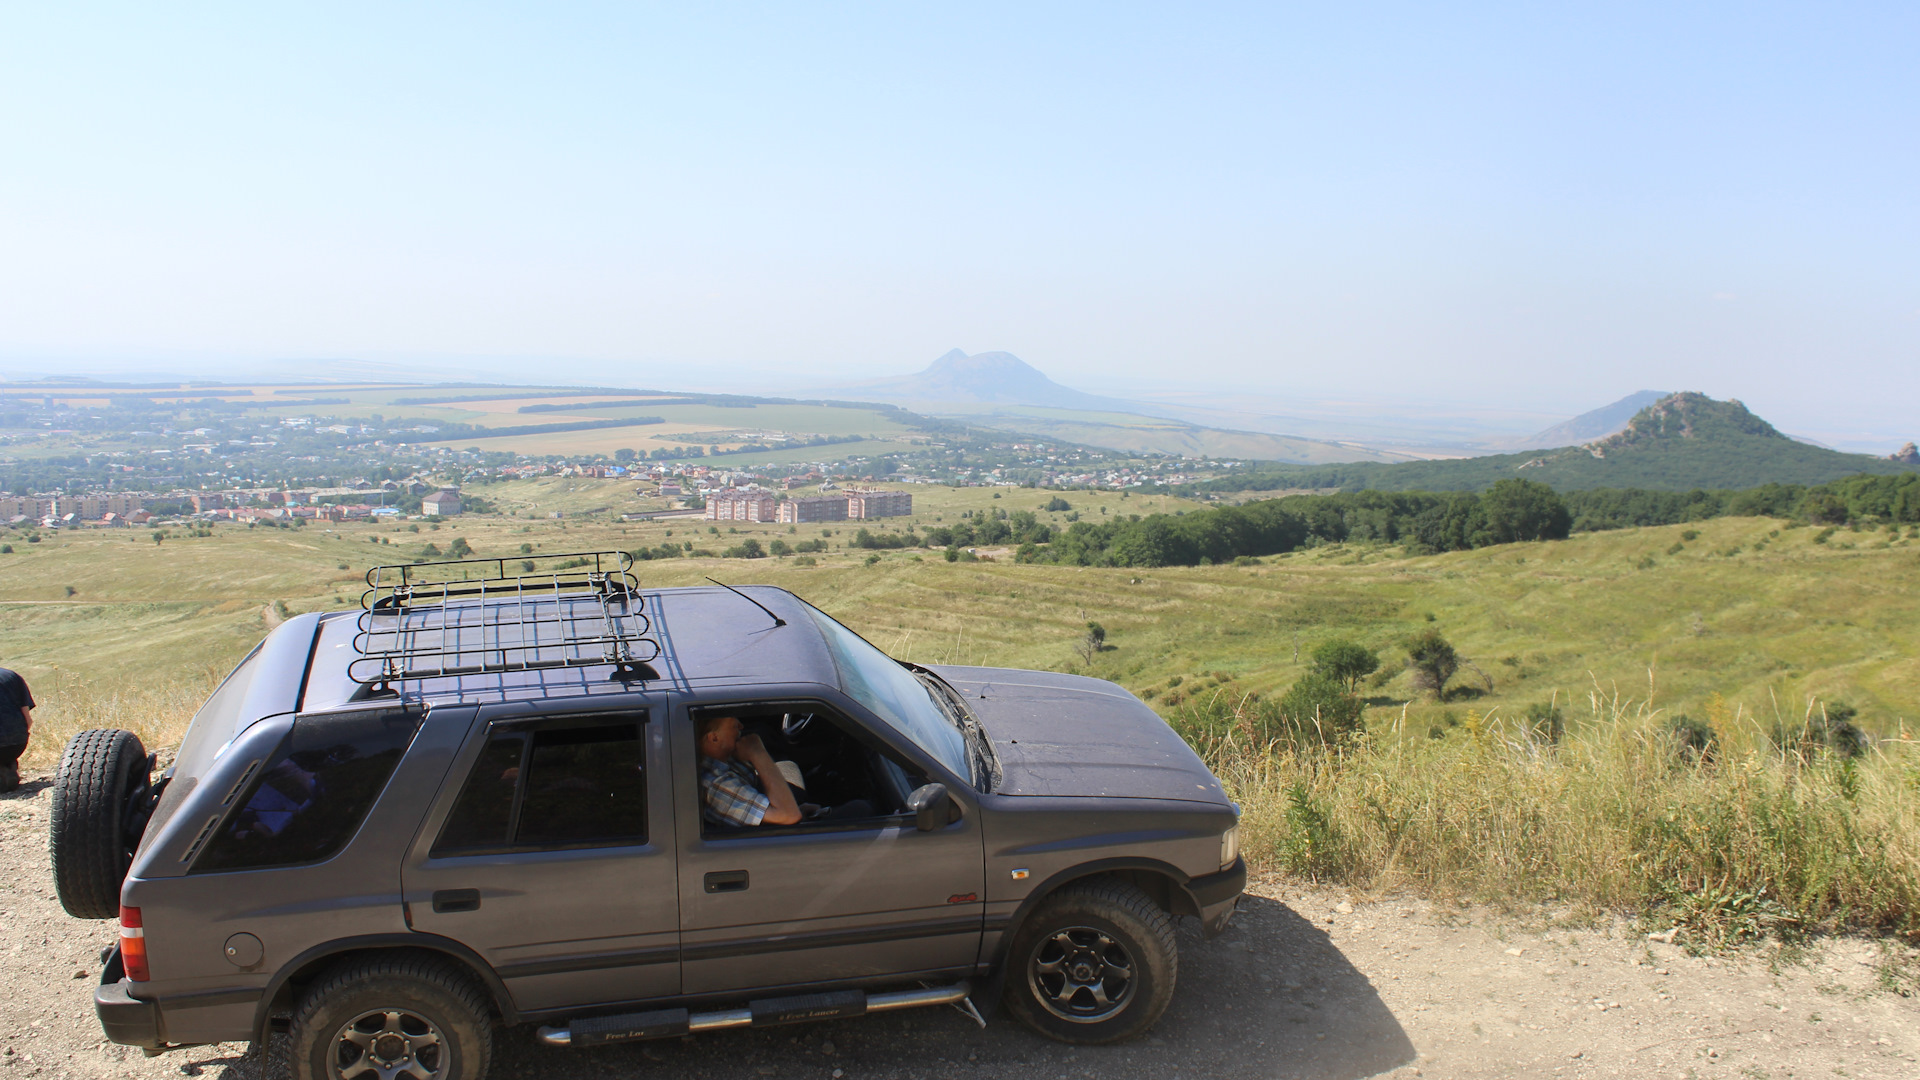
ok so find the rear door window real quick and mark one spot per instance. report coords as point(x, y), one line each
point(311, 796)
point(560, 783)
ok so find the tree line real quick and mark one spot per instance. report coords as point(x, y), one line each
point(1510, 511)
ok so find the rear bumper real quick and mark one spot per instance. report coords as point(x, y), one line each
point(126, 1019)
point(1217, 896)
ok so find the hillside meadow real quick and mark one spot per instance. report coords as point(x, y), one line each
point(1743, 624)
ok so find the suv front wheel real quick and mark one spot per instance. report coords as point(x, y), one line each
point(403, 1016)
point(1094, 963)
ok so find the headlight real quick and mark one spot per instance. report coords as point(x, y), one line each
point(1230, 847)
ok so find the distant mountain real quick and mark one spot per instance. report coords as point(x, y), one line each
point(1678, 443)
point(994, 378)
point(1597, 424)
point(1000, 390)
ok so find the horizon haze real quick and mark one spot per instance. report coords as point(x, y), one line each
point(1503, 218)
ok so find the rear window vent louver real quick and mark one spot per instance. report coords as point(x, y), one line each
point(201, 840)
point(240, 784)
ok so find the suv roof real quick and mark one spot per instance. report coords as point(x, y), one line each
point(563, 633)
point(705, 635)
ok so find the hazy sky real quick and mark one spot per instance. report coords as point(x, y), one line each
point(1542, 206)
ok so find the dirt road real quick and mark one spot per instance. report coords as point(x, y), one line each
point(1305, 984)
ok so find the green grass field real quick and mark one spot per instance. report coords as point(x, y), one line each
point(1763, 629)
point(1745, 626)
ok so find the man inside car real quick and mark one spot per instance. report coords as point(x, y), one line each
point(741, 784)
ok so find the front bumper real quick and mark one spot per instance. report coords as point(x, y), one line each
point(126, 1019)
point(1217, 896)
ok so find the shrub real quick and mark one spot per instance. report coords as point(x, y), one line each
point(1091, 643)
point(806, 560)
point(1545, 723)
point(1693, 739)
point(1055, 505)
point(1831, 727)
point(1433, 660)
point(1345, 661)
point(746, 549)
point(1317, 709)
point(459, 549)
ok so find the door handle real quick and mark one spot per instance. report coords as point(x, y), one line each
point(727, 881)
point(446, 901)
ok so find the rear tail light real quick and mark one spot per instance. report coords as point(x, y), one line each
point(133, 944)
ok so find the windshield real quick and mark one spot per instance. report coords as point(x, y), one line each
point(893, 693)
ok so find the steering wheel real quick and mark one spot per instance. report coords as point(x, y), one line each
point(791, 724)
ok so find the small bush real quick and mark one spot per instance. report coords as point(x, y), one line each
point(1318, 709)
point(806, 560)
point(1690, 535)
point(1433, 661)
point(1693, 739)
point(1345, 661)
point(1545, 723)
point(1828, 728)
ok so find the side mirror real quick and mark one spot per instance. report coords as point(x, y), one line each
point(931, 805)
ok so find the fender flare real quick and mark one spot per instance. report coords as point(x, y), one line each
point(1179, 900)
point(502, 999)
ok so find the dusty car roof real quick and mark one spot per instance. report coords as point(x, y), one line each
point(687, 637)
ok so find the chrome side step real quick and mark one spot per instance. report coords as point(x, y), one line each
point(766, 1012)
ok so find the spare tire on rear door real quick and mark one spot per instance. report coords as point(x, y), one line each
point(99, 797)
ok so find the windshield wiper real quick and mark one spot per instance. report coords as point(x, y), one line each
point(985, 762)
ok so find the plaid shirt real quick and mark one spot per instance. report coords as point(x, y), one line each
point(731, 792)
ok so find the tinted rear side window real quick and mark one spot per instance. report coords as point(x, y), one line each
point(559, 786)
point(314, 793)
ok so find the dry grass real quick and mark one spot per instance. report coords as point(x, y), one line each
point(1748, 840)
point(158, 712)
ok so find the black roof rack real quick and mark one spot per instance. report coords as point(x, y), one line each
point(470, 617)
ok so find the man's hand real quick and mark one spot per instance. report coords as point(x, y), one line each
point(751, 750)
point(784, 808)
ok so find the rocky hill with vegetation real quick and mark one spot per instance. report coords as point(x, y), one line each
point(1680, 442)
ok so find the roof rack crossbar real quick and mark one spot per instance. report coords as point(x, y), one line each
point(418, 621)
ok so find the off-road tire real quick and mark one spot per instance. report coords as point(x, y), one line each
point(419, 984)
point(1123, 915)
point(99, 773)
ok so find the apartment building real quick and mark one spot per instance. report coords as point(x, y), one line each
point(867, 503)
point(805, 508)
point(741, 506)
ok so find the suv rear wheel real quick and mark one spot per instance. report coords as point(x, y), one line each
point(1094, 963)
point(403, 1016)
point(94, 792)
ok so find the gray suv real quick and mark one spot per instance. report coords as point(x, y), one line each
point(477, 801)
